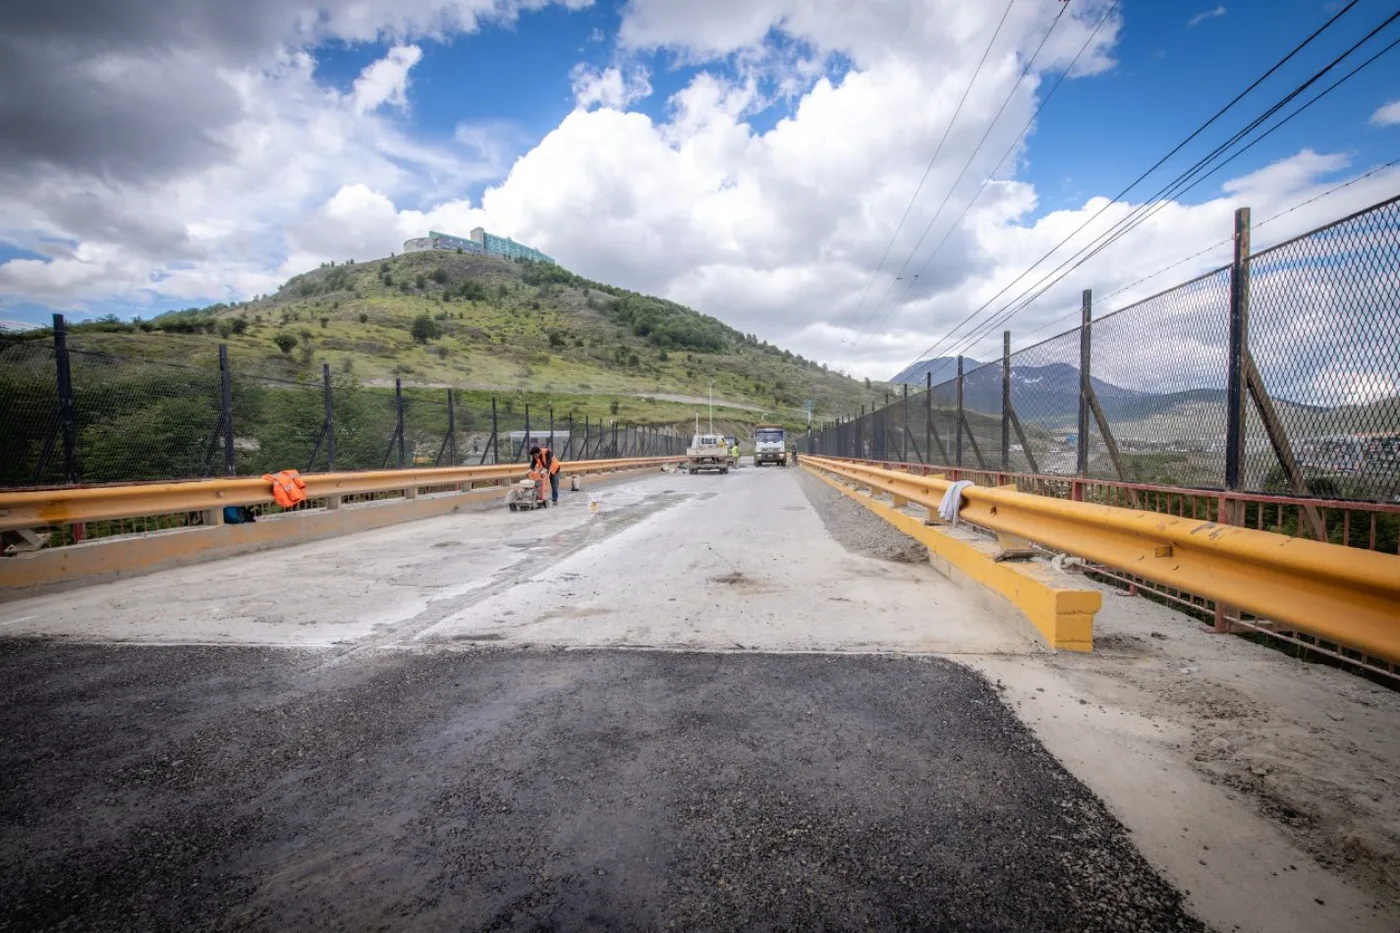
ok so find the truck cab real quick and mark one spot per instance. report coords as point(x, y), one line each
point(769, 445)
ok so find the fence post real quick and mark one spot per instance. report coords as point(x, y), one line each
point(904, 445)
point(586, 425)
point(1239, 350)
point(67, 414)
point(330, 417)
point(398, 404)
point(552, 442)
point(958, 457)
point(614, 443)
point(1005, 400)
point(928, 416)
point(495, 435)
point(1086, 313)
point(226, 408)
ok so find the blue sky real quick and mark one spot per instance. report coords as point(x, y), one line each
point(1096, 135)
point(255, 163)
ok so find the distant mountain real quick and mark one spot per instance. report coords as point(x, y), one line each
point(943, 369)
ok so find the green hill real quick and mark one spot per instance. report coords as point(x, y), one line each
point(489, 325)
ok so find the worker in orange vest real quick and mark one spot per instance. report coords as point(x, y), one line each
point(543, 459)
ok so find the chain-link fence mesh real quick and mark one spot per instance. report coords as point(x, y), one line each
point(1324, 331)
point(1319, 381)
point(136, 420)
point(31, 450)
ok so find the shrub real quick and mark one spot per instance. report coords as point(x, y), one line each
point(439, 275)
point(364, 318)
point(556, 339)
point(324, 322)
point(663, 356)
point(285, 342)
point(239, 324)
point(612, 407)
point(425, 328)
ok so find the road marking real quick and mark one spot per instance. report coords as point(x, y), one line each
point(15, 621)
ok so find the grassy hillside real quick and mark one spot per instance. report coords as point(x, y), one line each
point(495, 326)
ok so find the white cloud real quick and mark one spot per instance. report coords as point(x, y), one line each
point(1388, 115)
point(386, 81)
point(777, 232)
point(1201, 17)
point(609, 87)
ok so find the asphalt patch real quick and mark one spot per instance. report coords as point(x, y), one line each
point(178, 788)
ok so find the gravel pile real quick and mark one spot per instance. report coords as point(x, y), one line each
point(856, 528)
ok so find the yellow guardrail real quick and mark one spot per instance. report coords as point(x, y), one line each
point(1345, 595)
point(48, 507)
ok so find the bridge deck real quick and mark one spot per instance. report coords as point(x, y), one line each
point(318, 736)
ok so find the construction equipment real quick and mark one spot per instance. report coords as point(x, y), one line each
point(528, 494)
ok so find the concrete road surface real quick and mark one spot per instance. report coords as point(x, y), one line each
point(440, 726)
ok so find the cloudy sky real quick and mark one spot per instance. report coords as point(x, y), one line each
point(756, 159)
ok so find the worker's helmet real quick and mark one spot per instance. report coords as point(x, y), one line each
point(534, 450)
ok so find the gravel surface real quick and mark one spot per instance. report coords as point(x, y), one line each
point(151, 788)
point(857, 528)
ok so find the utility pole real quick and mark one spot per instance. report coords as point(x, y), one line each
point(712, 406)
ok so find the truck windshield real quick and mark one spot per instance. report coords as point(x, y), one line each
point(774, 436)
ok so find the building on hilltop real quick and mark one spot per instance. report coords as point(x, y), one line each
point(480, 243)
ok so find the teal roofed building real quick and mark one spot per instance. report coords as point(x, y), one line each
point(479, 242)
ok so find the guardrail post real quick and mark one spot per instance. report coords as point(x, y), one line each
point(1086, 311)
point(226, 408)
point(67, 413)
point(958, 460)
point(1239, 349)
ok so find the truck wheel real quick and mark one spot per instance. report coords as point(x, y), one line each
point(723, 470)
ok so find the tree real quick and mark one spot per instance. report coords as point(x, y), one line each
point(364, 318)
point(425, 328)
point(612, 406)
point(285, 342)
point(663, 356)
point(239, 325)
point(324, 322)
point(439, 275)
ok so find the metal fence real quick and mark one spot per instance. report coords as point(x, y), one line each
point(74, 416)
point(1276, 374)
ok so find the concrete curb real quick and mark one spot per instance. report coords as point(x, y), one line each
point(1042, 604)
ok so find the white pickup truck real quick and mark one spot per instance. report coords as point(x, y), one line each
point(769, 445)
point(708, 452)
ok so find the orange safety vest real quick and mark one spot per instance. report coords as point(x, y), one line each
point(540, 460)
point(288, 488)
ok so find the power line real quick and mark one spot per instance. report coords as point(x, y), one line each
point(929, 168)
point(1175, 149)
point(1151, 206)
point(966, 165)
point(1214, 246)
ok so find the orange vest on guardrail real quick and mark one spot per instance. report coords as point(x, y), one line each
point(288, 488)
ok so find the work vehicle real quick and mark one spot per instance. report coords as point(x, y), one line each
point(769, 445)
point(708, 452)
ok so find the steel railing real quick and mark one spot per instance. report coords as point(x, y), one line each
point(1343, 595)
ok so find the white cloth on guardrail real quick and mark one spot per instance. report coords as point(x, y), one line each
point(952, 500)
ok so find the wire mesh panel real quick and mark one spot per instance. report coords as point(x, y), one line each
point(139, 420)
point(276, 424)
point(1324, 332)
point(982, 411)
point(31, 450)
point(1159, 372)
point(1045, 396)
